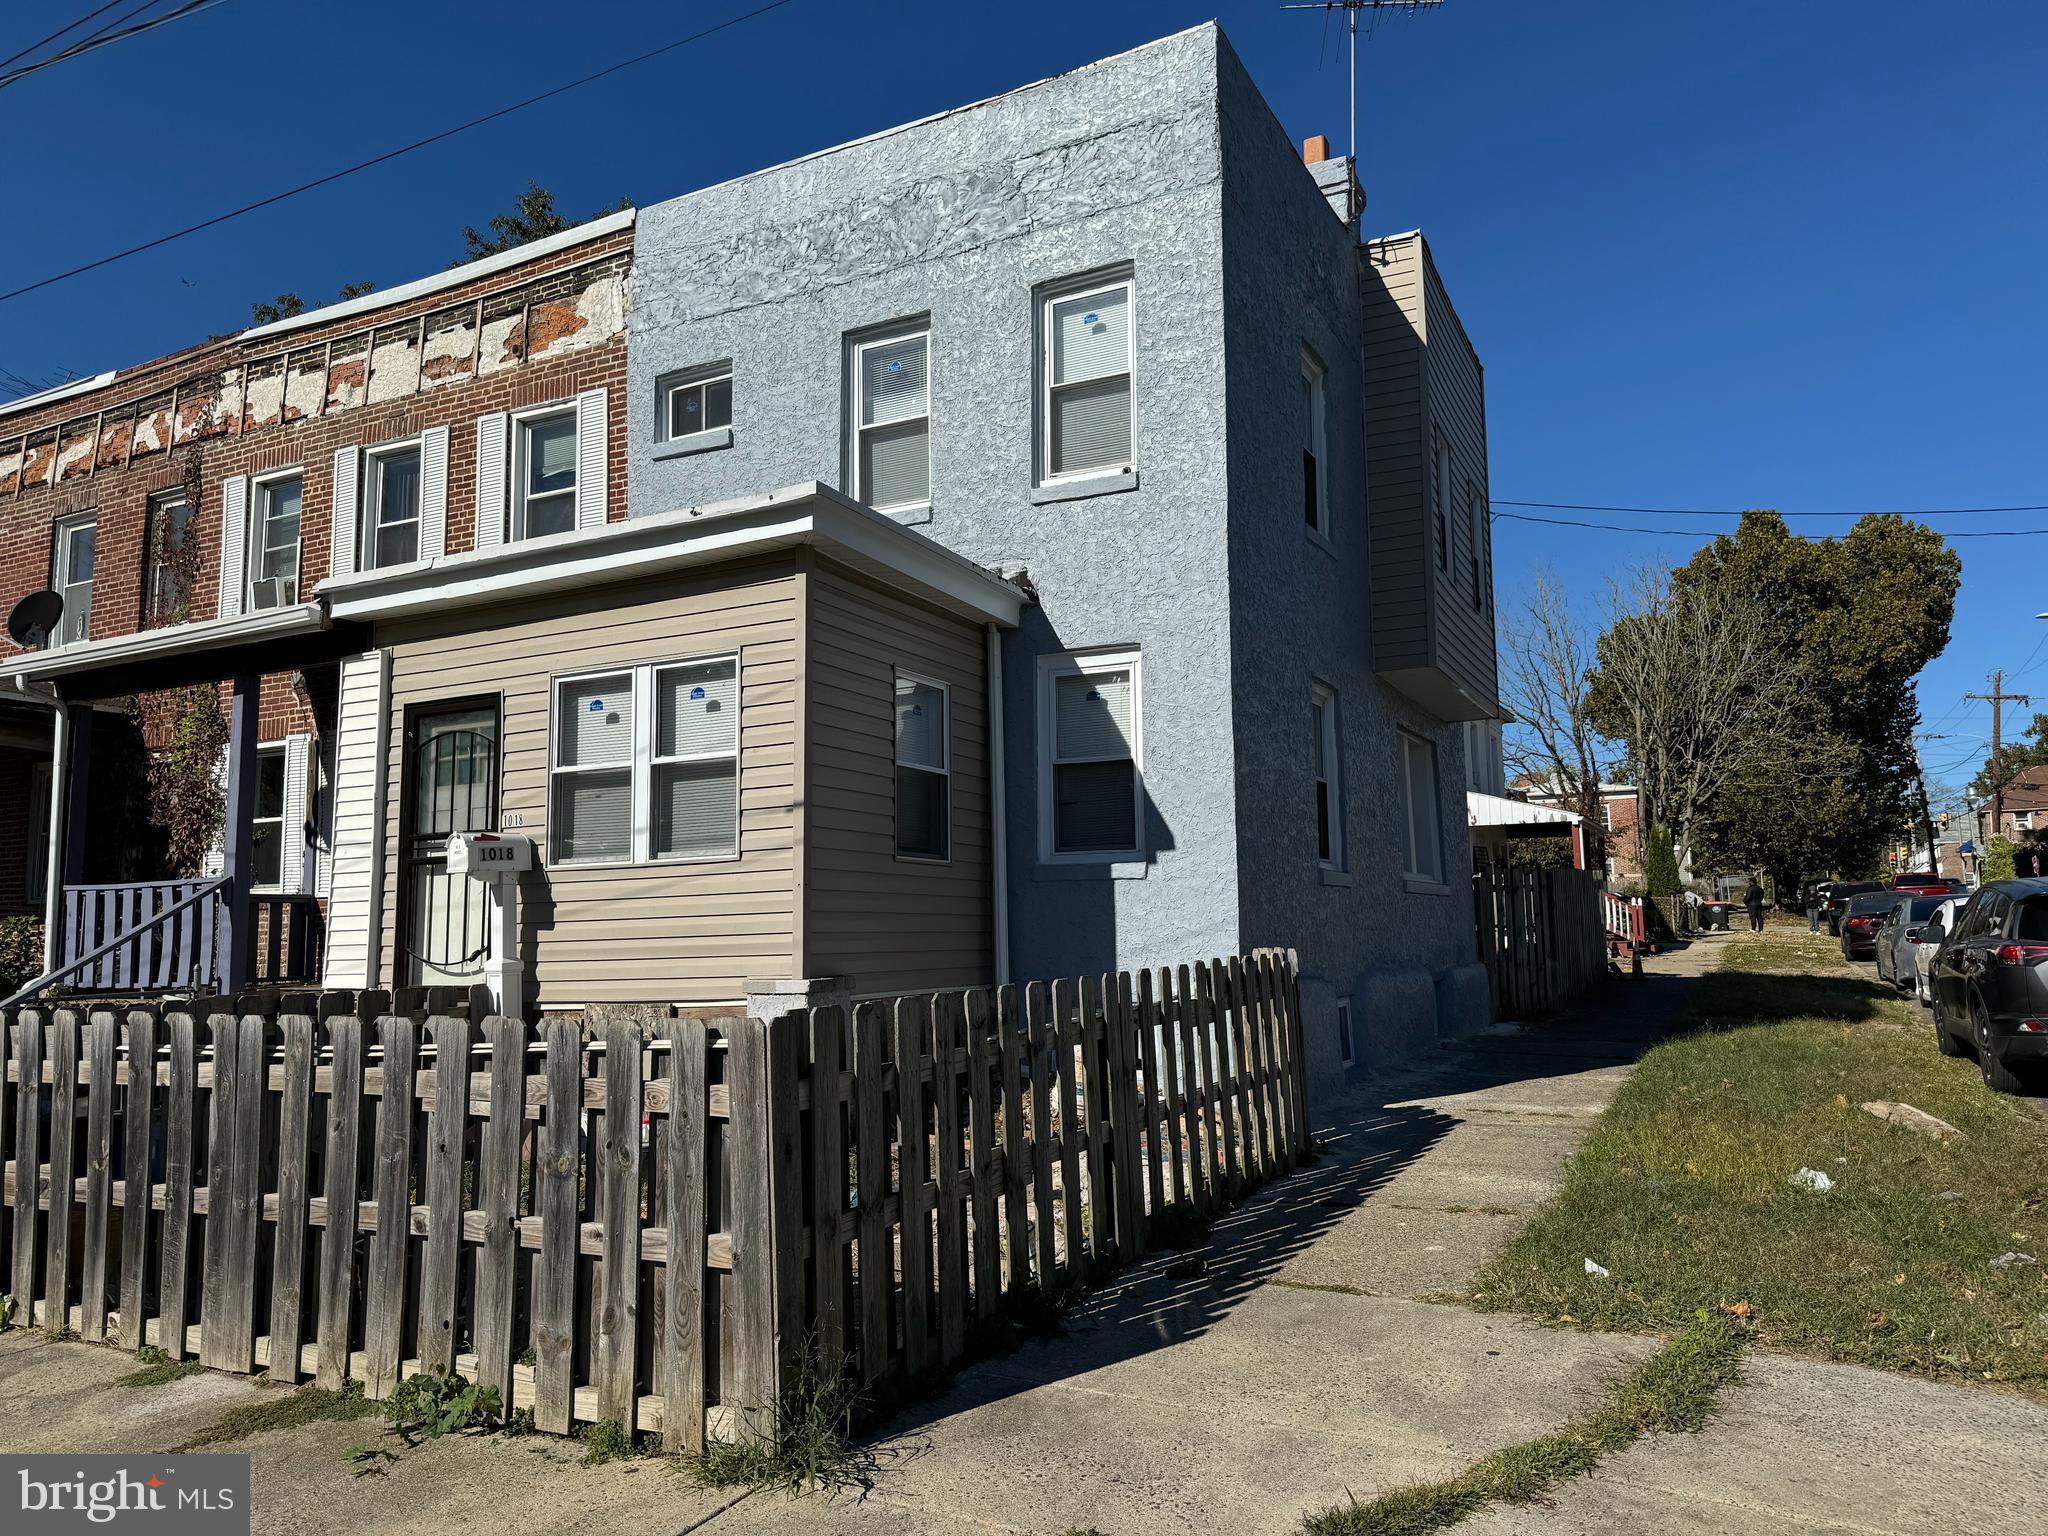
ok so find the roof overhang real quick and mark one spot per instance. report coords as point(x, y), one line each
point(1498, 811)
point(797, 516)
point(271, 640)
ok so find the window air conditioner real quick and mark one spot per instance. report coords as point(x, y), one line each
point(271, 592)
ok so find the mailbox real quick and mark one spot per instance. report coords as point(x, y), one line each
point(488, 855)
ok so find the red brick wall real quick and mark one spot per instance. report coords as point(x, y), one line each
point(106, 451)
point(1625, 840)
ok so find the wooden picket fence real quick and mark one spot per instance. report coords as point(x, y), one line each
point(643, 1224)
point(1541, 937)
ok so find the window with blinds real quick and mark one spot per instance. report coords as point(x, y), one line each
point(645, 764)
point(923, 769)
point(1092, 719)
point(393, 535)
point(545, 470)
point(276, 546)
point(1087, 366)
point(1425, 821)
point(73, 554)
point(266, 820)
point(892, 425)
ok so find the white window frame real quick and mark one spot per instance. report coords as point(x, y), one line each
point(642, 760)
point(944, 770)
point(1414, 877)
point(1346, 1051)
point(280, 750)
point(1315, 376)
point(260, 487)
point(158, 515)
point(1329, 770)
point(63, 582)
point(1088, 664)
point(856, 349)
point(371, 488)
point(681, 383)
point(521, 422)
point(1048, 298)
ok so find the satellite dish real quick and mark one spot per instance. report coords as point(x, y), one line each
point(34, 619)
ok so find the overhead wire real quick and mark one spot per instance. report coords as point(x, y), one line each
point(68, 27)
point(106, 36)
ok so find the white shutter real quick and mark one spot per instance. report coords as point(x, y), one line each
point(345, 531)
point(234, 528)
point(215, 862)
point(434, 493)
point(323, 819)
point(492, 434)
point(592, 422)
point(291, 873)
point(355, 894)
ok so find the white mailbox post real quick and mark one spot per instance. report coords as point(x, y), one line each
point(499, 860)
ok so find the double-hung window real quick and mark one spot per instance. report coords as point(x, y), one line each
point(1346, 1050)
point(1475, 524)
point(1329, 783)
point(266, 820)
point(1425, 855)
point(72, 554)
point(544, 474)
point(274, 555)
point(892, 420)
point(698, 402)
point(1091, 757)
point(392, 532)
point(1441, 501)
point(1087, 363)
point(645, 764)
point(170, 524)
point(924, 783)
point(1315, 492)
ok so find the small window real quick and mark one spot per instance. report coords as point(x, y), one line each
point(1315, 503)
point(1346, 1051)
point(1087, 367)
point(1606, 817)
point(544, 475)
point(699, 402)
point(892, 426)
point(393, 534)
point(1440, 501)
point(168, 596)
point(1092, 779)
point(274, 556)
point(1425, 821)
point(1475, 525)
point(1329, 783)
point(73, 551)
point(267, 820)
point(634, 789)
point(923, 769)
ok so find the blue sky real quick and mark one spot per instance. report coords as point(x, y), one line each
point(1714, 256)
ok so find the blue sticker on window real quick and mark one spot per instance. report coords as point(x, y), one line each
point(1091, 318)
point(597, 706)
point(697, 693)
point(916, 710)
point(895, 365)
point(1094, 695)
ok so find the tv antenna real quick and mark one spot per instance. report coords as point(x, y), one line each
point(1351, 8)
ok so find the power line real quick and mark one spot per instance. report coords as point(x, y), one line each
point(1694, 533)
point(392, 154)
point(71, 27)
point(106, 36)
point(1582, 506)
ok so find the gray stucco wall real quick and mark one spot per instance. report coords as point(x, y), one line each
point(963, 218)
point(1304, 615)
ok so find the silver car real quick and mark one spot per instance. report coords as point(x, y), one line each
point(1916, 939)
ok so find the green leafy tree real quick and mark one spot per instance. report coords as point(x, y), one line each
point(533, 217)
point(1998, 859)
point(288, 306)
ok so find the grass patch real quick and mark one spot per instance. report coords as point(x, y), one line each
point(430, 1404)
point(1684, 1188)
point(284, 1410)
point(1671, 1392)
point(157, 1368)
point(813, 1446)
point(607, 1440)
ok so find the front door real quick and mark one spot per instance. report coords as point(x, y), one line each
point(451, 785)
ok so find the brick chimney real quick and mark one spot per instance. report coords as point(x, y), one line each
point(1334, 176)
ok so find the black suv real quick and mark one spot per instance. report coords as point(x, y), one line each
point(1990, 982)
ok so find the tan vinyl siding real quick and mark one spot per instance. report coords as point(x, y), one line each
point(1397, 455)
point(1456, 395)
point(668, 932)
point(891, 924)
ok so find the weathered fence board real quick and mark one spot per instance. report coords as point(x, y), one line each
point(1540, 937)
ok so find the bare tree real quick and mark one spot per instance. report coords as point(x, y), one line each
point(1696, 686)
point(1546, 684)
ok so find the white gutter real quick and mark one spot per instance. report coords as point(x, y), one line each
point(53, 860)
point(999, 851)
point(61, 392)
point(152, 644)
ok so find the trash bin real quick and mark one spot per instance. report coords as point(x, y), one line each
point(1714, 914)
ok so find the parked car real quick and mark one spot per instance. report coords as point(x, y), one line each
point(1860, 920)
point(1933, 934)
point(1899, 938)
point(1926, 882)
point(1990, 982)
point(1840, 894)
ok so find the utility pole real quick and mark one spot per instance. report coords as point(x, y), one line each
point(1926, 816)
point(1351, 8)
point(1998, 698)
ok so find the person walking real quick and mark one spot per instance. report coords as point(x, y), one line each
point(1813, 909)
point(1753, 898)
